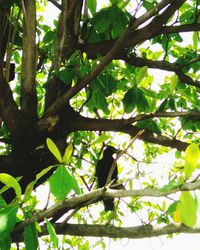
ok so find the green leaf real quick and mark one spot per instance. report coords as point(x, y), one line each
point(30, 186)
point(101, 21)
point(105, 84)
point(68, 154)
point(188, 16)
point(148, 4)
point(192, 155)
point(118, 27)
point(52, 234)
point(129, 101)
point(92, 5)
point(44, 171)
point(2, 202)
point(31, 237)
point(172, 103)
point(98, 101)
point(101, 138)
point(11, 182)
point(135, 98)
point(28, 190)
point(66, 75)
point(188, 209)
point(5, 244)
point(141, 101)
point(142, 72)
point(49, 37)
point(150, 125)
point(164, 105)
point(195, 38)
point(7, 220)
point(61, 183)
point(54, 150)
point(173, 83)
point(172, 208)
point(171, 185)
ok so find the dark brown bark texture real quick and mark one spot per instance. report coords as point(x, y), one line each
point(28, 133)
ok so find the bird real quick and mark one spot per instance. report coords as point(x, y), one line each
point(102, 171)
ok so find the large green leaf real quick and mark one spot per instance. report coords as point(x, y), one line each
point(118, 27)
point(188, 209)
point(52, 234)
point(129, 101)
point(61, 183)
point(31, 237)
point(7, 220)
point(102, 138)
point(66, 75)
point(142, 72)
point(5, 244)
point(135, 97)
point(105, 21)
point(101, 21)
point(11, 182)
point(192, 156)
point(98, 101)
point(150, 125)
point(105, 84)
point(54, 150)
point(92, 5)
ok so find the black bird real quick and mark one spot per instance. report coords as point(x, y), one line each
point(102, 170)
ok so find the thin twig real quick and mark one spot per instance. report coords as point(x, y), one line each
point(56, 4)
point(140, 132)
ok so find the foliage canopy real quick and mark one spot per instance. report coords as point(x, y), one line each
point(123, 74)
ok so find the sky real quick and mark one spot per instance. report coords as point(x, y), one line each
point(181, 241)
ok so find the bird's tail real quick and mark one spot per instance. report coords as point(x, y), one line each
point(109, 204)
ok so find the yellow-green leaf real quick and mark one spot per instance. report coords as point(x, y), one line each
point(54, 150)
point(67, 154)
point(177, 216)
point(141, 74)
point(192, 155)
point(195, 40)
point(173, 83)
point(188, 209)
point(28, 190)
point(101, 138)
point(44, 171)
point(11, 182)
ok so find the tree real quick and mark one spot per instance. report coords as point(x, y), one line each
point(69, 91)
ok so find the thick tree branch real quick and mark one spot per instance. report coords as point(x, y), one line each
point(66, 44)
point(28, 85)
point(101, 48)
point(93, 196)
point(180, 28)
point(8, 108)
point(137, 232)
point(194, 114)
point(118, 125)
point(163, 65)
point(79, 123)
point(186, 79)
point(156, 139)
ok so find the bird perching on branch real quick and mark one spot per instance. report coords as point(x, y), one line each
point(103, 169)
